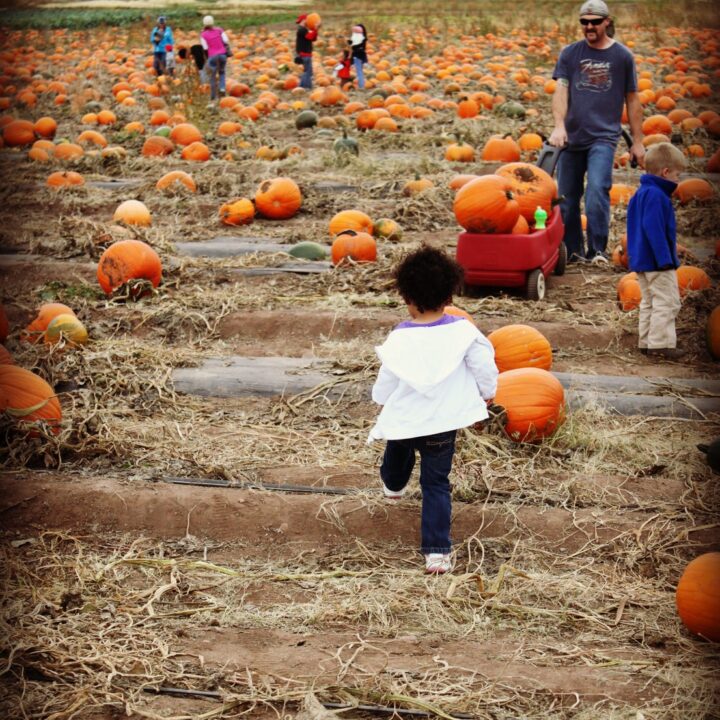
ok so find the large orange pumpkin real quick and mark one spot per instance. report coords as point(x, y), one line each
point(278, 199)
point(693, 189)
point(358, 246)
point(691, 278)
point(350, 220)
point(698, 596)
point(531, 186)
point(486, 205)
point(534, 401)
point(185, 134)
point(29, 398)
point(128, 260)
point(520, 346)
point(18, 132)
point(5, 357)
point(157, 146)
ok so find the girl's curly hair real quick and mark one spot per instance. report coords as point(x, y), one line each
point(428, 278)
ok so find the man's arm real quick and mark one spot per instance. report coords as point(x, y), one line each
point(558, 137)
point(635, 118)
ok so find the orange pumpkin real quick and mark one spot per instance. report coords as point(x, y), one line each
point(46, 313)
point(501, 149)
point(5, 357)
point(18, 132)
point(196, 152)
point(486, 205)
point(697, 596)
point(157, 146)
point(460, 152)
point(620, 194)
point(534, 401)
point(28, 398)
point(350, 220)
point(657, 124)
point(65, 179)
point(416, 186)
point(691, 278)
point(45, 127)
point(67, 326)
point(457, 312)
point(237, 212)
point(457, 181)
point(358, 246)
point(185, 134)
point(531, 186)
point(693, 189)
point(176, 179)
point(133, 212)
point(4, 325)
point(312, 21)
point(278, 199)
point(520, 346)
point(127, 260)
point(628, 291)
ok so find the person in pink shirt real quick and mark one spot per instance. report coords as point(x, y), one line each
point(217, 46)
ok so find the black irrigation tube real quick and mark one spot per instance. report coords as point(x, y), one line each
point(383, 709)
point(308, 489)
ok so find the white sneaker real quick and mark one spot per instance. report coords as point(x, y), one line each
point(437, 564)
point(393, 494)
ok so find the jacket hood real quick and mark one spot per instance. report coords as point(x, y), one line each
point(667, 186)
point(424, 356)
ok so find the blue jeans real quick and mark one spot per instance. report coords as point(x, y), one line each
point(306, 77)
point(216, 66)
point(358, 65)
point(597, 162)
point(159, 62)
point(436, 454)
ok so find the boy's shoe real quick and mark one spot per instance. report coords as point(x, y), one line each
point(643, 350)
point(667, 353)
point(437, 564)
point(393, 494)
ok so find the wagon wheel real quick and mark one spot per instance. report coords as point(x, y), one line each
point(562, 260)
point(535, 286)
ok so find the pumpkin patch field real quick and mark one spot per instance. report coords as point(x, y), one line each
point(192, 523)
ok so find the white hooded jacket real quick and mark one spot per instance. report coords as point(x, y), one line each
point(433, 378)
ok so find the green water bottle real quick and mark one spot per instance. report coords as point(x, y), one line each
point(540, 218)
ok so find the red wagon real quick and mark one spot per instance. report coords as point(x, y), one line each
point(514, 260)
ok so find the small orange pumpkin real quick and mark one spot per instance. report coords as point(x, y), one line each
point(359, 246)
point(46, 313)
point(62, 179)
point(350, 220)
point(176, 179)
point(691, 278)
point(237, 212)
point(628, 291)
point(501, 149)
point(157, 146)
point(133, 212)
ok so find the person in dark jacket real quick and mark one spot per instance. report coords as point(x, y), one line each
point(652, 250)
point(304, 39)
point(358, 42)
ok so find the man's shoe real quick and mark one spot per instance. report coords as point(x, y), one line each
point(393, 494)
point(600, 259)
point(666, 353)
point(575, 258)
point(437, 564)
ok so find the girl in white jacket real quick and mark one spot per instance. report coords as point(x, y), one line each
point(437, 375)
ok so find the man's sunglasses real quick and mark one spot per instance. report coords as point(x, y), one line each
point(594, 22)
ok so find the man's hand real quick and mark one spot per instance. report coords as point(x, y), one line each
point(558, 137)
point(637, 151)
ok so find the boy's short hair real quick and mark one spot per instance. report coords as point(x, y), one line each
point(427, 278)
point(664, 155)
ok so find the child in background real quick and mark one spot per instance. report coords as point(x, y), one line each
point(342, 69)
point(652, 250)
point(437, 375)
point(170, 60)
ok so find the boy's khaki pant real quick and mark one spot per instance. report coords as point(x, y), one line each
point(659, 306)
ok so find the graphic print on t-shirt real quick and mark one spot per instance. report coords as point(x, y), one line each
point(595, 75)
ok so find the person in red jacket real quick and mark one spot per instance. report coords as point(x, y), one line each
point(342, 69)
point(304, 39)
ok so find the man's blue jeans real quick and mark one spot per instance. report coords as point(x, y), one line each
point(436, 454)
point(359, 73)
point(216, 67)
point(306, 77)
point(597, 162)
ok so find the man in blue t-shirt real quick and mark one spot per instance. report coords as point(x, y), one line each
point(595, 77)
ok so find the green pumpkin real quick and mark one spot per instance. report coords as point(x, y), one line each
point(306, 119)
point(308, 250)
point(346, 144)
point(512, 109)
point(93, 106)
point(163, 131)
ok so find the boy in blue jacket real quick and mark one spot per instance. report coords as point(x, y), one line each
point(652, 250)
